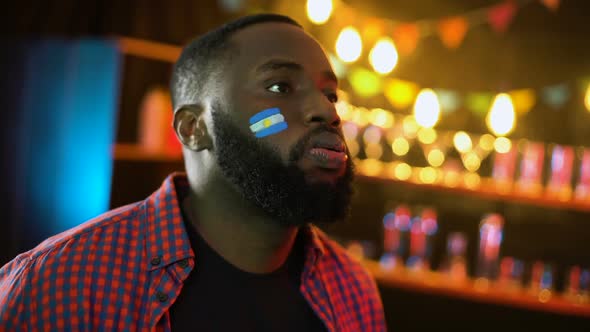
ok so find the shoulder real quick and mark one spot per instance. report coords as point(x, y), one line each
point(67, 250)
point(64, 267)
point(352, 283)
point(98, 230)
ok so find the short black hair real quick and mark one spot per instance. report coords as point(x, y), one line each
point(201, 57)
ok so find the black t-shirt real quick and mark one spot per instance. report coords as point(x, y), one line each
point(218, 296)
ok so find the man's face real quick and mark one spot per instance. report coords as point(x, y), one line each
point(303, 173)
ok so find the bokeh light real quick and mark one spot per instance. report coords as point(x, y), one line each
point(486, 142)
point(344, 110)
point(403, 171)
point(383, 57)
point(436, 157)
point(372, 135)
point(400, 93)
point(353, 148)
point(427, 108)
point(427, 135)
point(365, 83)
point(462, 142)
point(502, 145)
point(428, 175)
point(350, 130)
point(360, 116)
point(382, 118)
point(370, 167)
point(501, 118)
point(471, 161)
point(410, 126)
point(319, 11)
point(400, 146)
point(373, 151)
point(349, 45)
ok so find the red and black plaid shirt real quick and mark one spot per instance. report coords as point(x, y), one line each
point(124, 269)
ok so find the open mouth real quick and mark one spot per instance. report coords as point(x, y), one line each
point(328, 151)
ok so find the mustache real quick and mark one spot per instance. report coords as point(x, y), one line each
point(298, 150)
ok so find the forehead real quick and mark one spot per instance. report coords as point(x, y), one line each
point(278, 40)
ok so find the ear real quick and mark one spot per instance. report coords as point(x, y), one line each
point(191, 129)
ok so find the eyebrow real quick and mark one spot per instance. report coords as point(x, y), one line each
point(274, 65)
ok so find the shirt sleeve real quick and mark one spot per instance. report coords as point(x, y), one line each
point(14, 292)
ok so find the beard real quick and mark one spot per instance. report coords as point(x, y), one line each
point(258, 174)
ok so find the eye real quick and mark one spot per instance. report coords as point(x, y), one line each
point(332, 97)
point(280, 87)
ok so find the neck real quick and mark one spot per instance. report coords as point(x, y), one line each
point(238, 231)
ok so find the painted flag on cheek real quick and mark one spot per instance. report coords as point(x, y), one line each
point(267, 122)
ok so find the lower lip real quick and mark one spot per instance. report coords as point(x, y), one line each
point(329, 159)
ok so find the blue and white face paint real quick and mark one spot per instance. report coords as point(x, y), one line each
point(268, 122)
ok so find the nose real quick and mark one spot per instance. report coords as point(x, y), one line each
point(322, 111)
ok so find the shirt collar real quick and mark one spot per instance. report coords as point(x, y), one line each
point(314, 248)
point(166, 238)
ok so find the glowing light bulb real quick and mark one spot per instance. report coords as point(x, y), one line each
point(428, 175)
point(587, 98)
point(501, 118)
point(410, 126)
point(462, 142)
point(436, 157)
point(502, 145)
point(403, 171)
point(400, 146)
point(427, 108)
point(427, 135)
point(319, 11)
point(471, 162)
point(382, 118)
point(486, 142)
point(383, 57)
point(349, 45)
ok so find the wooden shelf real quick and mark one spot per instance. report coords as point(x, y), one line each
point(439, 284)
point(487, 190)
point(134, 152)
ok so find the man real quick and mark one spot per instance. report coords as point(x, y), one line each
point(230, 245)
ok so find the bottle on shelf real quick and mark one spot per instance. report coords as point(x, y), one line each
point(541, 284)
point(455, 263)
point(422, 233)
point(582, 189)
point(490, 238)
point(578, 285)
point(531, 169)
point(562, 160)
point(396, 227)
point(511, 272)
